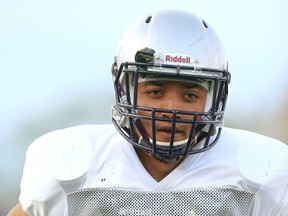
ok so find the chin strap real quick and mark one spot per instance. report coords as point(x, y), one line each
point(171, 159)
point(166, 144)
point(147, 142)
point(163, 158)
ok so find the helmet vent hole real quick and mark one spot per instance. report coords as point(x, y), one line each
point(148, 19)
point(205, 24)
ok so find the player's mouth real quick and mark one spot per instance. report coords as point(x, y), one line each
point(165, 132)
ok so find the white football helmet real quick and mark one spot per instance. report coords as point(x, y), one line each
point(170, 45)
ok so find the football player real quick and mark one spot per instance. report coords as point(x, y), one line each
point(167, 151)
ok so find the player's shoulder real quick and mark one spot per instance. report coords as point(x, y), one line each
point(259, 158)
point(70, 151)
point(82, 137)
point(255, 145)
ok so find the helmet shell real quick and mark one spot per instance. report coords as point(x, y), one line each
point(179, 37)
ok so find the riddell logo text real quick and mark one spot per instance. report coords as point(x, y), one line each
point(179, 59)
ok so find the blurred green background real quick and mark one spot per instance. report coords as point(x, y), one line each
point(55, 59)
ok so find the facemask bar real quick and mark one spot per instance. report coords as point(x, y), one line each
point(127, 120)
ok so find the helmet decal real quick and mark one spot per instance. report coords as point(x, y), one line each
point(178, 58)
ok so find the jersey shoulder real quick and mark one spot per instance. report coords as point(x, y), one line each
point(259, 158)
point(68, 153)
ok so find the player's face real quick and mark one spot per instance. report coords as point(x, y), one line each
point(173, 96)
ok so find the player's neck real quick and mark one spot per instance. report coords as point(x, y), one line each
point(157, 169)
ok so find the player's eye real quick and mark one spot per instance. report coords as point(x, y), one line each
point(190, 96)
point(154, 93)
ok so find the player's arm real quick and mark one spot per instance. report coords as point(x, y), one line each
point(17, 211)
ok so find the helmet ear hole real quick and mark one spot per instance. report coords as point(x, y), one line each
point(204, 23)
point(148, 19)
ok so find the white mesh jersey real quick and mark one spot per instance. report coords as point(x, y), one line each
point(86, 162)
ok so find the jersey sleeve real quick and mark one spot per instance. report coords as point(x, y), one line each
point(40, 192)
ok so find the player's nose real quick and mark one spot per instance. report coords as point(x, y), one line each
point(170, 104)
